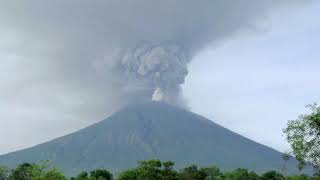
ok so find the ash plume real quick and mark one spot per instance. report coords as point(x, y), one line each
point(157, 69)
point(89, 57)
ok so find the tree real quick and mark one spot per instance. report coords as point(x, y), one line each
point(53, 174)
point(272, 175)
point(253, 176)
point(150, 170)
point(285, 156)
point(4, 173)
point(153, 170)
point(189, 173)
point(100, 174)
point(131, 174)
point(22, 172)
point(238, 174)
point(212, 173)
point(167, 172)
point(81, 176)
point(194, 173)
point(42, 171)
point(303, 134)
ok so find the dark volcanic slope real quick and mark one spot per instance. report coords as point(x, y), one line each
point(146, 131)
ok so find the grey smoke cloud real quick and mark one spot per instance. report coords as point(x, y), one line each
point(157, 69)
point(91, 57)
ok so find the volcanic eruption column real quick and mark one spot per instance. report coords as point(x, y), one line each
point(161, 68)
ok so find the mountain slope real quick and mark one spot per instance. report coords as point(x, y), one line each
point(146, 131)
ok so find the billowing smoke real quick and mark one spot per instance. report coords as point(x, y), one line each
point(158, 69)
point(87, 57)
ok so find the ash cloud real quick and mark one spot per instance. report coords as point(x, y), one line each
point(157, 69)
point(104, 54)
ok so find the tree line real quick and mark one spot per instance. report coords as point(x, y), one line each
point(146, 170)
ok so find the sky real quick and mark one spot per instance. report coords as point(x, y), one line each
point(264, 79)
point(250, 75)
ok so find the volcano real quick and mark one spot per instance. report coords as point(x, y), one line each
point(152, 131)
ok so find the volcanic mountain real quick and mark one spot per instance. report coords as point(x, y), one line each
point(147, 131)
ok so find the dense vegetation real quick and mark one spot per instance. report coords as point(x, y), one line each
point(146, 170)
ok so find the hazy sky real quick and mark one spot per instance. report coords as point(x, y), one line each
point(264, 79)
point(259, 72)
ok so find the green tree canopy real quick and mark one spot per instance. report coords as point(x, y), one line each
point(238, 174)
point(131, 174)
point(81, 176)
point(303, 134)
point(151, 170)
point(22, 172)
point(42, 171)
point(4, 173)
point(100, 174)
point(272, 175)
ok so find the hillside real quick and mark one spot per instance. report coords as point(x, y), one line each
point(151, 130)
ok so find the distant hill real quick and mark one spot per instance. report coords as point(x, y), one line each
point(147, 131)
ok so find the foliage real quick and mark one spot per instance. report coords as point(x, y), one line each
point(238, 174)
point(207, 173)
point(82, 176)
point(151, 170)
point(53, 174)
point(241, 174)
point(22, 172)
point(193, 172)
point(212, 173)
point(4, 173)
point(98, 174)
point(303, 134)
point(274, 175)
point(42, 171)
point(253, 176)
point(146, 170)
point(128, 175)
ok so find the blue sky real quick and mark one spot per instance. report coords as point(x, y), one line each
point(255, 83)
